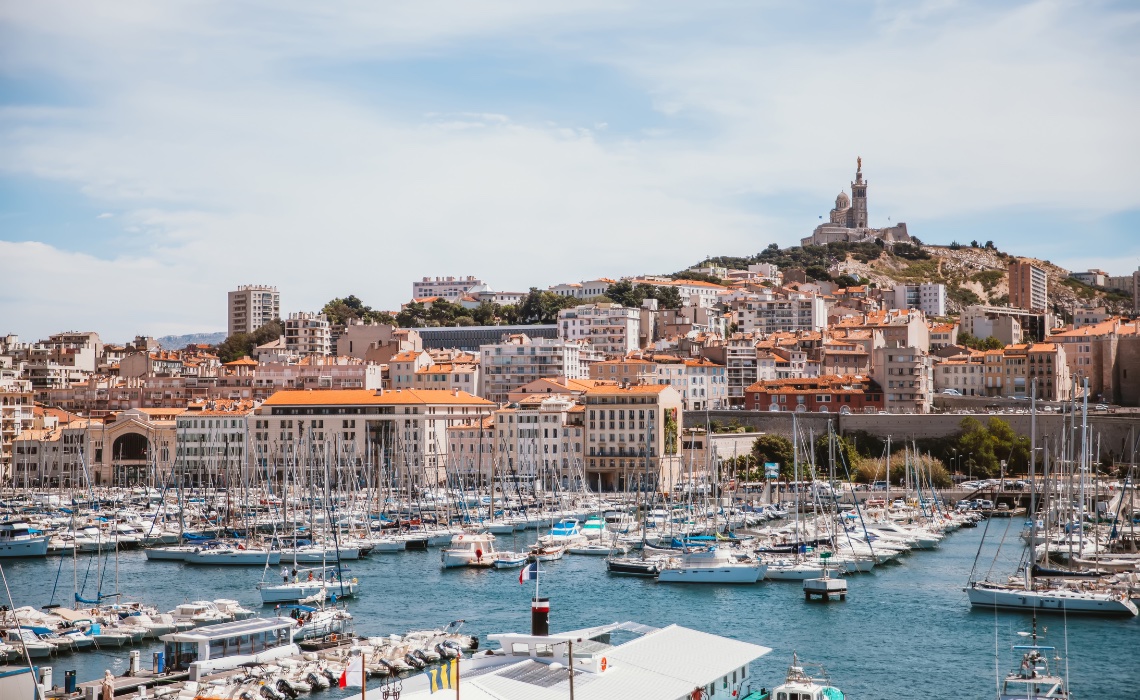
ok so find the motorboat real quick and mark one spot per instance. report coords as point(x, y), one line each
point(234, 609)
point(510, 560)
point(549, 551)
point(594, 528)
point(798, 685)
point(635, 566)
point(475, 549)
point(712, 564)
point(792, 570)
point(28, 643)
point(316, 622)
point(19, 539)
point(199, 613)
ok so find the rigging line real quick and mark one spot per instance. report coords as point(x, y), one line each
point(974, 567)
point(1008, 523)
point(20, 629)
point(57, 575)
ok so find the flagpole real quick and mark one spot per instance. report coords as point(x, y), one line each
point(363, 675)
point(456, 662)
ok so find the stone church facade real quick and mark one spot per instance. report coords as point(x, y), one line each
point(848, 220)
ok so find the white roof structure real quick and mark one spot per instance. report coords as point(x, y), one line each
point(661, 664)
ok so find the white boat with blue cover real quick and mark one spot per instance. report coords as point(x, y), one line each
point(19, 539)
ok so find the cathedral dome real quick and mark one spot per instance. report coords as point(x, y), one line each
point(842, 201)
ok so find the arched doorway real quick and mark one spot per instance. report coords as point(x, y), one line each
point(130, 459)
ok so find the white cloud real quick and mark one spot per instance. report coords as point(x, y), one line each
point(105, 215)
point(227, 161)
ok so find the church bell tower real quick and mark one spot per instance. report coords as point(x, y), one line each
point(858, 217)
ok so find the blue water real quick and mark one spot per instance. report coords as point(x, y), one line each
point(905, 631)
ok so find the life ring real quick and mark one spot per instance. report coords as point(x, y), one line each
point(603, 663)
point(333, 638)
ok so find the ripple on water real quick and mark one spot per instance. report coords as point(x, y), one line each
point(905, 631)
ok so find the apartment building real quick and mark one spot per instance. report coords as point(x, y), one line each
point(1044, 362)
point(1104, 354)
point(963, 373)
point(376, 342)
point(449, 288)
point(1028, 287)
point(212, 438)
point(583, 290)
point(632, 437)
point(401, 431)
point(905, 327)
point(541, 440)
point(520, 359)
point(15, 417)
point(472, 456)
point(251, 306)
point(52, 454)
point(826, 394)
point(611, 329)
point(905, 376)
point(625, 370)
point(446, 376)
point(775, 310)
point(930, 298)
point(308, 334)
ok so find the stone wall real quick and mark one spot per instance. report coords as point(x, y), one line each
point(1117, 433)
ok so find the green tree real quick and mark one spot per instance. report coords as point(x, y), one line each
point(241, 345)
point(846, 456)
point(774, 448)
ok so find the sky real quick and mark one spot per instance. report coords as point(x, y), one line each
point(154, 156)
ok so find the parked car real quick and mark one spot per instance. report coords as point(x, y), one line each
point(952, 392)
point(879, 486)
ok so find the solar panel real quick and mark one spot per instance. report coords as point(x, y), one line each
point(538, 674)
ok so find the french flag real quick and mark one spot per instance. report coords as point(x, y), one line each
point(529, 572)
point(353, 675)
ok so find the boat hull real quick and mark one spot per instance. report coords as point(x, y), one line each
point(1050, 601)
point(712, 574)
point(31, 547)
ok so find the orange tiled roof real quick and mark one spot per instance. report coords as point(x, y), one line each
point(362, 397)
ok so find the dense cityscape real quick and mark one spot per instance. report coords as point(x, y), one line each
point(531, 351)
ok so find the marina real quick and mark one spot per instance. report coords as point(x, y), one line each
point(895, 606)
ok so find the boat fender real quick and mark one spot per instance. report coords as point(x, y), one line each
point(479, 554)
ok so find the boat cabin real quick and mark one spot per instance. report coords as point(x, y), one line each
point(229, 645)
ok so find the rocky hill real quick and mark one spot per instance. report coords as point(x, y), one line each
point(177, 342)
point(972, 274)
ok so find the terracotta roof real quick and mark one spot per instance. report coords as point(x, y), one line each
point(361, 397)
point(633, 389)
point(243, 361)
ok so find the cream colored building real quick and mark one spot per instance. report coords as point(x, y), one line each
point(905, 374)
point(393, 435)
point(308, 334)
point(632, 437)
point(251, 306)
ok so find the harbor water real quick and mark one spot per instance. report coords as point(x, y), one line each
point(906, 630)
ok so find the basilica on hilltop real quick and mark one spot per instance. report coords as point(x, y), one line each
point(848, 220)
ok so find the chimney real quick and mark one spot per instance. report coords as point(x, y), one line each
point(540, 617)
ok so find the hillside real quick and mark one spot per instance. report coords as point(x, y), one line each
point(177, 342)
point(972, 275)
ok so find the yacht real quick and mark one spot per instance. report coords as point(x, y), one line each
point(26, 642)
point(475, 549)
point(712, 564)
point(1061, 599)
point(18, 539)
point(798, 685)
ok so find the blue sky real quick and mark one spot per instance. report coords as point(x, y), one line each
point(158, 154)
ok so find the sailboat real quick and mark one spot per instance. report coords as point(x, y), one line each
point(1065, 596)
point(1033, 678)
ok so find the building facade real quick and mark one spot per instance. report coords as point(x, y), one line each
point(1028, 287)
point(308, 334)
point(905, 375)
point(251, 306)
point(449, 288)
point(611, 329)
point(506, 366)
point(633, 438)
point(930, 298)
